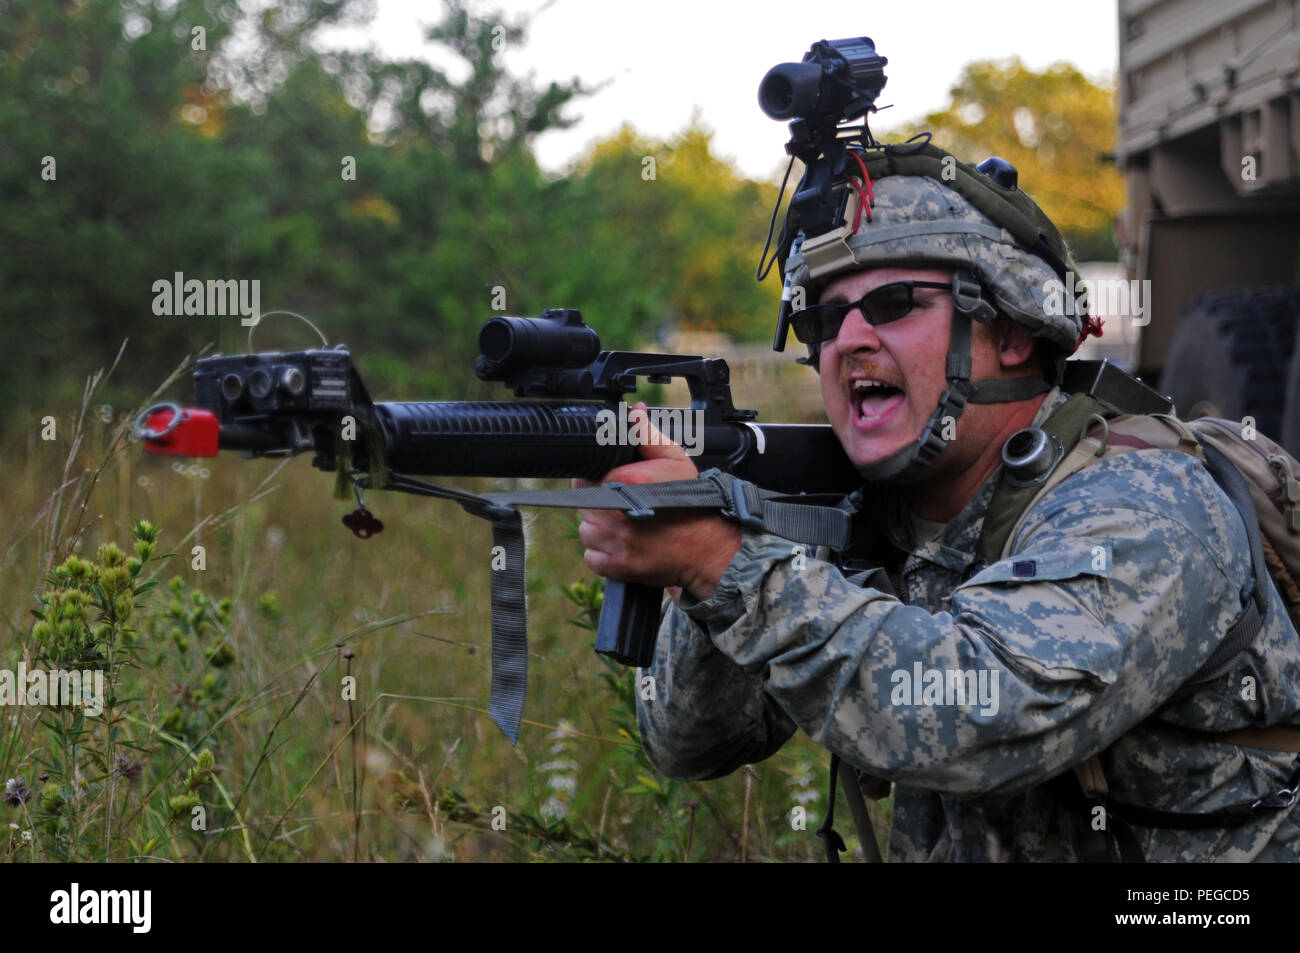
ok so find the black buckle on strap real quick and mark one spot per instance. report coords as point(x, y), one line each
point(487, 510)
point(639, 510)
point(968, 299)
point(498, 511)
point(737, 510)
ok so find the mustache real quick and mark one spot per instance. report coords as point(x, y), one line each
point(870, 369)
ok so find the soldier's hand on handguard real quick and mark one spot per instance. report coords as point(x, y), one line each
point(676, 549)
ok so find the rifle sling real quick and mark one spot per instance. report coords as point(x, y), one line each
point(812, 520)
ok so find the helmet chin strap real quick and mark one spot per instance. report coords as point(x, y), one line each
point(910, 463)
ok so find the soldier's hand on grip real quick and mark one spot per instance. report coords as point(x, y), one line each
point(676, 551)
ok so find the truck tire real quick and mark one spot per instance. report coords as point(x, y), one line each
point(1231, 354)
point(1291, 415)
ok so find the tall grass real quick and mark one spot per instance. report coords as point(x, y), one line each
point(232, 732)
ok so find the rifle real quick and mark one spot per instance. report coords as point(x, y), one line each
point(272, 404)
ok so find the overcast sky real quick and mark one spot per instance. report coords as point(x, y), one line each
point(663, 59)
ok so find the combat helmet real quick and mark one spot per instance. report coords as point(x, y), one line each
point(916, 205)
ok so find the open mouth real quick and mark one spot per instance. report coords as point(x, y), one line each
point(874, 400)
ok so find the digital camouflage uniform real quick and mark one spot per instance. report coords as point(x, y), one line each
point(1122, 581)
point(1086, 660)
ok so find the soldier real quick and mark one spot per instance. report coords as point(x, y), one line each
point(978, 688)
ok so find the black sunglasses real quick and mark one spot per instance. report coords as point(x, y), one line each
point(821, 322)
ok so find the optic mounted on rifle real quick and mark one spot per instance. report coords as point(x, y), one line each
point(539, 357)
point(557, 355)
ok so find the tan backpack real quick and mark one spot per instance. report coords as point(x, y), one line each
point(1270, 475)
point(1263, 482)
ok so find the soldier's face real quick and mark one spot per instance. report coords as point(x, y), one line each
point(881, 384)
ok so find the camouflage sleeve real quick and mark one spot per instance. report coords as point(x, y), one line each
point(707, 716)
point(1123, 580)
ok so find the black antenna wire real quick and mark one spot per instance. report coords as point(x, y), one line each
point(764, 265)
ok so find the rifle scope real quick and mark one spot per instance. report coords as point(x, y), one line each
point(558, 339)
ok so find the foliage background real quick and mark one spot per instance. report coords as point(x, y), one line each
point(225, 162)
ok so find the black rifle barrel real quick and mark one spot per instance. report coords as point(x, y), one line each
point(552, 439)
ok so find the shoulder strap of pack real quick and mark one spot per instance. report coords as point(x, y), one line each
point(1010, 503)
point(1070, 425)
point(1248, 625)
point(1116, 434)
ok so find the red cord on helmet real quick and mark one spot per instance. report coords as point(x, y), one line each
point(864, 201)
point(866, 177)
point(1091, 328)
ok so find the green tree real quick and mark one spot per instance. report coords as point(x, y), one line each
point(1056, 127)
point(663, 232)
point(172, 150)
point(384, 200)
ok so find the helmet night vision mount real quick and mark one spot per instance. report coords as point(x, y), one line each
point(836, 83)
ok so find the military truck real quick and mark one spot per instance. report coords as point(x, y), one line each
point(1209, 145)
